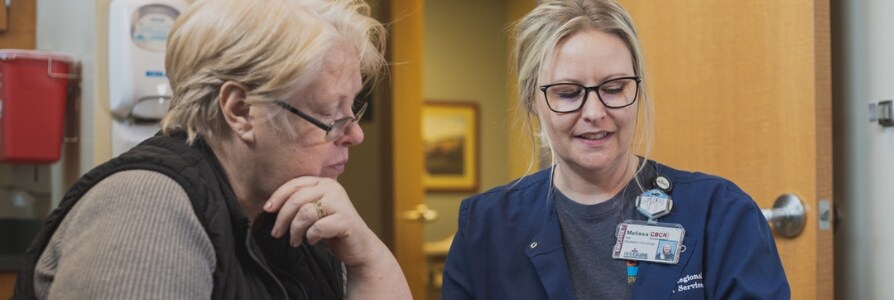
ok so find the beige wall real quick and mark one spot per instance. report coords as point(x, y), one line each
point(465, 60)
point(364, 177)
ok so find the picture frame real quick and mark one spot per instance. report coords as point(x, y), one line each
point(450, 133)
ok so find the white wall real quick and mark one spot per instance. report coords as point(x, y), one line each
point(863, 61)
point(68, 26)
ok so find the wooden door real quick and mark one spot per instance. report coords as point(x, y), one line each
point(742, 89)
point(405, 118)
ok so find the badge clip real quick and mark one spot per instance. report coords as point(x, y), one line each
point(654, 204)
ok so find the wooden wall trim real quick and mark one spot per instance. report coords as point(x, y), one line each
point(21, 25)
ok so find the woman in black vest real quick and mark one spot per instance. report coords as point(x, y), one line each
point(236, 197)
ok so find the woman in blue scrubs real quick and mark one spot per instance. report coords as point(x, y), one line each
point(567, 231)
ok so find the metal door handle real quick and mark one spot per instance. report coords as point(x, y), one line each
point(787, 216)
point(422, 214)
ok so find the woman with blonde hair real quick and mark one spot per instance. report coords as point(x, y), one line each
point(594, 224)
point(237, 196)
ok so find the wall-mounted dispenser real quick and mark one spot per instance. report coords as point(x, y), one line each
point(138, 88)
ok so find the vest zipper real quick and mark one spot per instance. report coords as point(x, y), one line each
point(267, 270)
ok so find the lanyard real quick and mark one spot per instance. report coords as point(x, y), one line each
point(632, 269)
point(665, 185)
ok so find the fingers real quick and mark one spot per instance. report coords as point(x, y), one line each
point(319, 209)
point(317, 233)
point(290, 208)
point(307, 216)
point(326, 228)
point(304, 203)
point(286, 191)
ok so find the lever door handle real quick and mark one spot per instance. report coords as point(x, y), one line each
point(787, 216)
point(422, 214)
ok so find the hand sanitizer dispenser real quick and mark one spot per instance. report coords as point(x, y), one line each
point(138, 88)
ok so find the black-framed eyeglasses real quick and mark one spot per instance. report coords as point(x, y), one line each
point(569, 97)
point(334, 130)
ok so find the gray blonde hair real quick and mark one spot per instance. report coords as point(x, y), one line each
point(274, 47)
point(538, 34)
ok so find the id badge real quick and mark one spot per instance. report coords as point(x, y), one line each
point(649, 241)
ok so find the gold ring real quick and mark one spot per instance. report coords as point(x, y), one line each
point(321, 211)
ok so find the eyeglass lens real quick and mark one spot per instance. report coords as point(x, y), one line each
point(338, 127)
point(567, 97)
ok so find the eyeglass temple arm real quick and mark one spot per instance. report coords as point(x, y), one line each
point(305, 116)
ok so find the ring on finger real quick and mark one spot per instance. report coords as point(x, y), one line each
point(321, 210)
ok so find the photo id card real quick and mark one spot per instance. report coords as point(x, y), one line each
point(653, 242)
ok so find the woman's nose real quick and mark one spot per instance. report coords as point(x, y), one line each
point(353, 135)
point(593, 108)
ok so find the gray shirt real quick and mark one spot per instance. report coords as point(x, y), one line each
point(588, 233)
point(134, 235)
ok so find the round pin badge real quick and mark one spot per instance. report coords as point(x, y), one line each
point(663, 183)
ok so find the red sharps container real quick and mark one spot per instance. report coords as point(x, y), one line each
point(33, 93)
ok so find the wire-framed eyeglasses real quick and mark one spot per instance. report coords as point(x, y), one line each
point(334, 130)
point(569, 97)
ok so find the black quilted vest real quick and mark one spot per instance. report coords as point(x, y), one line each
point(249, 266)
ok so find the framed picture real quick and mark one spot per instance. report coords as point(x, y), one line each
point(450, 134)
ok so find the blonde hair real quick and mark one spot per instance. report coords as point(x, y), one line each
point(274, 47)
point(538, 34)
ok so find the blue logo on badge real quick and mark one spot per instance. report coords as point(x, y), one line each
point(636, 254)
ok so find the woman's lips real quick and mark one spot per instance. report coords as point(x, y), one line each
point(595, 138)
point(338, 168)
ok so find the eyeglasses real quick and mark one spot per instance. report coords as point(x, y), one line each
point(570, 97)
point(334, 130)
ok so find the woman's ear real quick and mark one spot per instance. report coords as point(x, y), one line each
point(236, 111)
